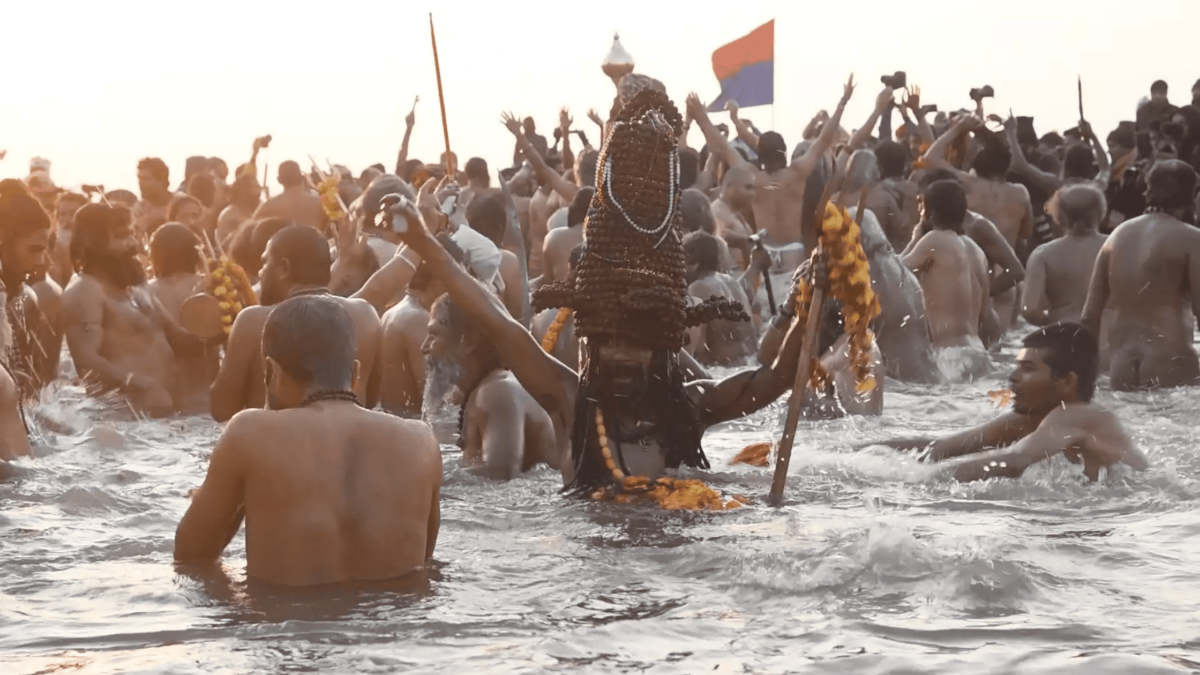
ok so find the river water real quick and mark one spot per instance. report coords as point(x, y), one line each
point(876, 564)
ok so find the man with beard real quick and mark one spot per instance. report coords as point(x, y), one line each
point(1147, 272)
point(503, 432)
point(1052, 387)
point(154, 182)
point(24, 252)
point(296, 263)
point(335, 493)
point(120, 337)
point(628, 412)
point(779, 189)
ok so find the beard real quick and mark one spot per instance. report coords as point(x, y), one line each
point(441, 380)
point(626, 381)
point(122, 269)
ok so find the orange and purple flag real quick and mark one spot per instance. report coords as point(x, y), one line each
point(746, 69)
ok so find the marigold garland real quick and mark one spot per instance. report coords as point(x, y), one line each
point(328, 190)
point(849, 282)
point(552, 333)
point(672, 494)
point(227, 282)
point(1000, 397)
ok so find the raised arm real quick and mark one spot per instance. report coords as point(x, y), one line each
point(744, 131)
point(912, 101)
point(548, 176)
point(935, 156)
point(402, 157)
point(544, 377)
point(716, 142)
point(1104, 175)
point(883, 102)
point(564, 129)
point(997, 250)
point(1046, 181)
point(514, 241)
point(804, 166)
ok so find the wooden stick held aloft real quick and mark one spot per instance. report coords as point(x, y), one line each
point(437, 67)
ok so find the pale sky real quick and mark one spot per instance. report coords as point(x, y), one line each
point(96, 86)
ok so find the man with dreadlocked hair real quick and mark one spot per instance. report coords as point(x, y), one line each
point(1149, 270)
point(628, 412)
point(24, 251)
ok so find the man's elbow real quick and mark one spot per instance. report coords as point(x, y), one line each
point(221, 405)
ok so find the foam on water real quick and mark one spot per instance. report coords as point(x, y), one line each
point(876, 563)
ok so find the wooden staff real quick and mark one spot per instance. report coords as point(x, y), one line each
point(441, 97)
point(816, 314)
point(1080, 84)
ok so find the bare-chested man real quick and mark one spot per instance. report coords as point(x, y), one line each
point(175, 261)
point(120, 337)
point(14, 436)
point(154, 182)
point(64, 223)
point(779, 194)
point(1148, 272)
point(24, 256)
point(893, 198)
point(330, 492)
point(297, 204)
point(733, 210)
point(504, 431)
point(559, 242)
point(988, 194)
point(719, 342)
point(953, 275)
point(296, 263)
point(1052, 412)
point(1060, 272)
point(244, 197)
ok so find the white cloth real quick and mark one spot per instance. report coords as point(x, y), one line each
point(557, 219)
point(963, 364)
point(482, 256)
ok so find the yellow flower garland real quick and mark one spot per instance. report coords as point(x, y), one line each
point(850, 282)
point(551, 337)
point(228, 283)
point(328, 190)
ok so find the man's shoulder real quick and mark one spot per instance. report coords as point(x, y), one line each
point(83, 288)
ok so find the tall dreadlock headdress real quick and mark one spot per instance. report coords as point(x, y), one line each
point(630, 282)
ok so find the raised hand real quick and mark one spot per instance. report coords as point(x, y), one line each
point(410, 119)
point(595, 117)
point(912, 99)
point(511, 123)
point(694, 106)
point(848, 90)
point(885, 99)
point(732, 107)
point(564, 119)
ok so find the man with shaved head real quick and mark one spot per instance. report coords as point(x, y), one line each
point(734, 209)
point(1056, 281)
point(1147, 272)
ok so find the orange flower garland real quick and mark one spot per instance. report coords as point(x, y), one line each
point(228, 283)
point(850, 282)
point(330, 201)
point(552, 333)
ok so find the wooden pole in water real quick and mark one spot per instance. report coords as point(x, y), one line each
point(437, 68)
point(812, 329)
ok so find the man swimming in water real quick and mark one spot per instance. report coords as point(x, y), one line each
point(1052, 387)
point(1147, 272)
point(628, 412)
point(335, 493)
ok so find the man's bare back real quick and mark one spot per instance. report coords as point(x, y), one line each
point(1057, 278)
point(723, 342)
point(506, 432)
point(953, 274)
point(402, 375)
point(331, 493)
point(1145, 273)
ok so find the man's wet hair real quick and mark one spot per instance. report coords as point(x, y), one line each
point(422, 276)
point(1125, 135)
point(94, 224)
point(216, 165)
point(577, 211)
point(290, 174)
point(992, 161)
point(702, 249)
point(174, 249)
point(936, 176)
point(1052, 139)
point(1159, 87)
point(893, 158)
point(772, 146)
point(203, 187)
point(1070, 348)
point(176, 205)
point(251, 239)
point(1171, 184)
point(244, 192)
point(585, 174)
point(697, 212)
point(20, 212)
point(157, 168)
point(477, 169)
point(1079, 207)
point(68, 197)
point(312, 339)
point(307, 253)
point(1079, 162)
point(689, 167)
point(125, 197)
point(946, 203)
point(486, 216)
